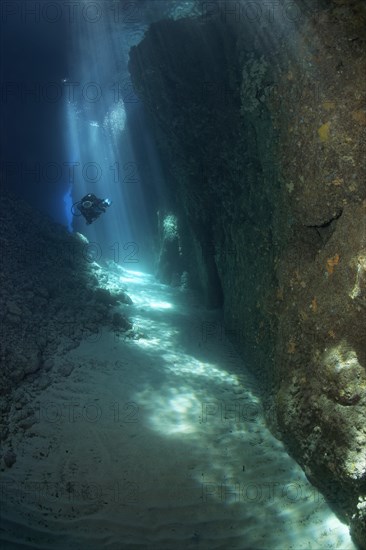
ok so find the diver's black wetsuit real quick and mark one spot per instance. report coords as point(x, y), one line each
point(91, 207)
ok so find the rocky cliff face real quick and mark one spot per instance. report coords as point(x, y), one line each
point(52, 295)
point(263, 127)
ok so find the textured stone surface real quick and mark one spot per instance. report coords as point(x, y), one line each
point(51, 298)
point(263, 128)
point(9, 458)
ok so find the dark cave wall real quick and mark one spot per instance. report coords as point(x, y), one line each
point(263, 130)
point(52, 296)
point(319, 111)
point(174, 100)
point(223, 190)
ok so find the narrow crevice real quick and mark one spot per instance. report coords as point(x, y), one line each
point(325, 230)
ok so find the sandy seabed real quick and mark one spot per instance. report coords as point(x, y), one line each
point(158, 443)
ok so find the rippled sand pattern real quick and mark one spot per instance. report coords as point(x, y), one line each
point(159, 443)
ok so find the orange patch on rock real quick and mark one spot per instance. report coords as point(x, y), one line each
point(331, 262)
point(324, 131)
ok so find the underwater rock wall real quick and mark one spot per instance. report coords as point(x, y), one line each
point(52, 295)
point(318, 108)
point(188, 75)
point(263, 128)
point(174, 96)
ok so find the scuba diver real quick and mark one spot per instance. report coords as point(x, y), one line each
point(91, 207)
